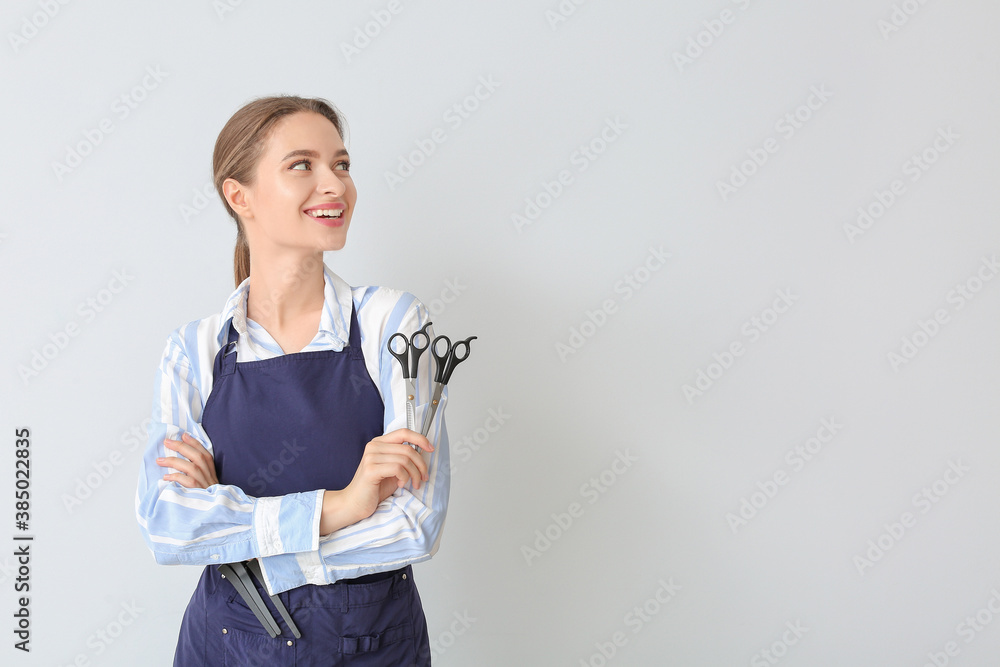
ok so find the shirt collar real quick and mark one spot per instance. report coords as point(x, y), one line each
point(334, 322)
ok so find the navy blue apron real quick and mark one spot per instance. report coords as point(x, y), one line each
point(291, 423)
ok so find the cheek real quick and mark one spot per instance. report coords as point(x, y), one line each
point(283, 196)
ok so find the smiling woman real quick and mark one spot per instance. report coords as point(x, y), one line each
point(290, 394)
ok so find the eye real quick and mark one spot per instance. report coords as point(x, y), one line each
point(343, 163)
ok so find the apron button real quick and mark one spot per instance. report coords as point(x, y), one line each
point(224, 631)
point(289, 642)
point(404, 575)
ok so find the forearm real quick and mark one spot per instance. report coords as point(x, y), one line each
point(338, 512)
point(405, 528)
point(222, 524)
point(218, 524)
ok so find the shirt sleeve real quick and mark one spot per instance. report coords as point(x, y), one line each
point(220, 524)
point(407, 526)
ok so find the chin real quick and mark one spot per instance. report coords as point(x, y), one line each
point(335, 243)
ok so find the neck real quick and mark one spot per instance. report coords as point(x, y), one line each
point(285, 288)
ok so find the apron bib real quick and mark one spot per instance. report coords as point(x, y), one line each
point(292, 423)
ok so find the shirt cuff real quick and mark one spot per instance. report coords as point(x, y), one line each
point(289, 523)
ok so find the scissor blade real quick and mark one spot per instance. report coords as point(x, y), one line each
point(432, 408)
point(411, 415)
point(411, 408)
point(411, 411)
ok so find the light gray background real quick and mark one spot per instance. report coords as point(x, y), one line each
point(683, 129)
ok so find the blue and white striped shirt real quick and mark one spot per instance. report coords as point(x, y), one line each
point(223, 524)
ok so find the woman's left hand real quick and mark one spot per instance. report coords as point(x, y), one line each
point(197, 472)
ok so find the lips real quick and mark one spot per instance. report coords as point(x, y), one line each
point(321, 213)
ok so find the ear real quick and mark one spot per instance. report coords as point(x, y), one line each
point(236, 195)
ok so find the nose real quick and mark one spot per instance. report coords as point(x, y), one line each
point(331, 183)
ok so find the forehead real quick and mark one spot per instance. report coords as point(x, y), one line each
point(304, 130)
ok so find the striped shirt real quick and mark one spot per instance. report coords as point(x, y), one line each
point(223, 524)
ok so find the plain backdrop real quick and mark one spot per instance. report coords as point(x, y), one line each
point(732, 265)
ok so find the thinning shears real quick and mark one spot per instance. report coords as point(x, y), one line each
point(416, 345)
point(446, 364)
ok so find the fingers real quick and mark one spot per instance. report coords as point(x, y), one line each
point(384, 460)
point(183, 480)
point(189, 447)
point(197, 468)
point(190, 475)
point(404, 467)
point(406, 435)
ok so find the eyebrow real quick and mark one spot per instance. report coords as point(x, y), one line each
point(310, 153)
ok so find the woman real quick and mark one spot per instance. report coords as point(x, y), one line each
point(277, 445)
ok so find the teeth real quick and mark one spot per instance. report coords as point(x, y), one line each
point(327, 213)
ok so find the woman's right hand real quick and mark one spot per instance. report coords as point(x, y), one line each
point(388, 463)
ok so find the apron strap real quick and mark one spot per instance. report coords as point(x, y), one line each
point(225, 361)
point(354, 340)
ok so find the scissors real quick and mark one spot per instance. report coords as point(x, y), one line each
point(446, 364)
point(408, 359)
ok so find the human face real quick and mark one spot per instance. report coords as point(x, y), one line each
point(304, 166)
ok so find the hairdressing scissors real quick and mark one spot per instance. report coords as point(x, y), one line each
point(446, 364)
point(408, 359)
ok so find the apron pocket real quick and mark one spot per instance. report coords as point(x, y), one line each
point(392, 646)
point(246, 649)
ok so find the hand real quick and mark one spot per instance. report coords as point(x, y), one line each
point(387, 488)
point(198, 471)
point(388, 463)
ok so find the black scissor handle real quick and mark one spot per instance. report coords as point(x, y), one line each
point(418, 350)
point(406, 360)
point(450, 359)
point(442, 359)
point(403, 356)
